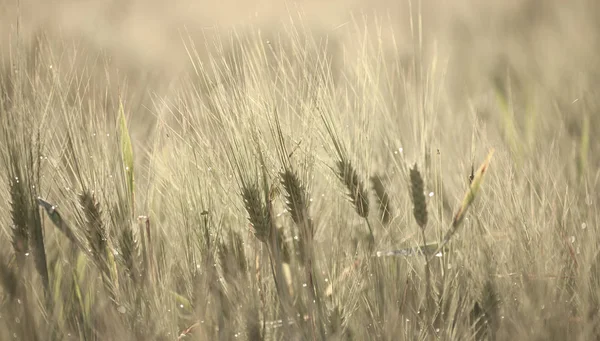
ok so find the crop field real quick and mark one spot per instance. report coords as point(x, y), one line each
point(310, 170)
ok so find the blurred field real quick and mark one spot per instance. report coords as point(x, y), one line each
point(265, 170)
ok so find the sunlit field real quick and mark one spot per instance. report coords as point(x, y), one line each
point(412, 170)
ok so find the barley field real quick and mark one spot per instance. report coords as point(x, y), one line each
point(310, 170)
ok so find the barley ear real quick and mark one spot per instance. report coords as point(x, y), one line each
point(348, 175)
point(296, 199)
point(94, 228)
point(258, 214)
point(418, 197)
point(97, 238)
point(20, 232)
point(417, 188)
point(357, 192)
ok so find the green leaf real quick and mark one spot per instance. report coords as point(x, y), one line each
point(182, 301)
point(584, 148)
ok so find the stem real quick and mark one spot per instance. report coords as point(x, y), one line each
point(314, 290)
point(371, 236)
point(428, 295)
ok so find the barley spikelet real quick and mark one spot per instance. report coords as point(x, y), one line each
point(258, 214)
point(129, 251)
point(348, 174)
point(23, 177)
point(127, 242)
point(418, 197)
point(95, 232)
point(94, 229)
point(297, 204)
point(383, 199)
point(357, 192)
point(296, 198)
point(20, 232)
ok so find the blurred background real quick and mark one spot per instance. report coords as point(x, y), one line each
point(552, 44)
point(148, 36)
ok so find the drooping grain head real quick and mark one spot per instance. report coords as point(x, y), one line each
point(418, 197)
point(357, 192)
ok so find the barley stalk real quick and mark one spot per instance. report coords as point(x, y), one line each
point(348, 175)
point(417, 188)
point(467, 201)
point(357, 192)
point(297, 202)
